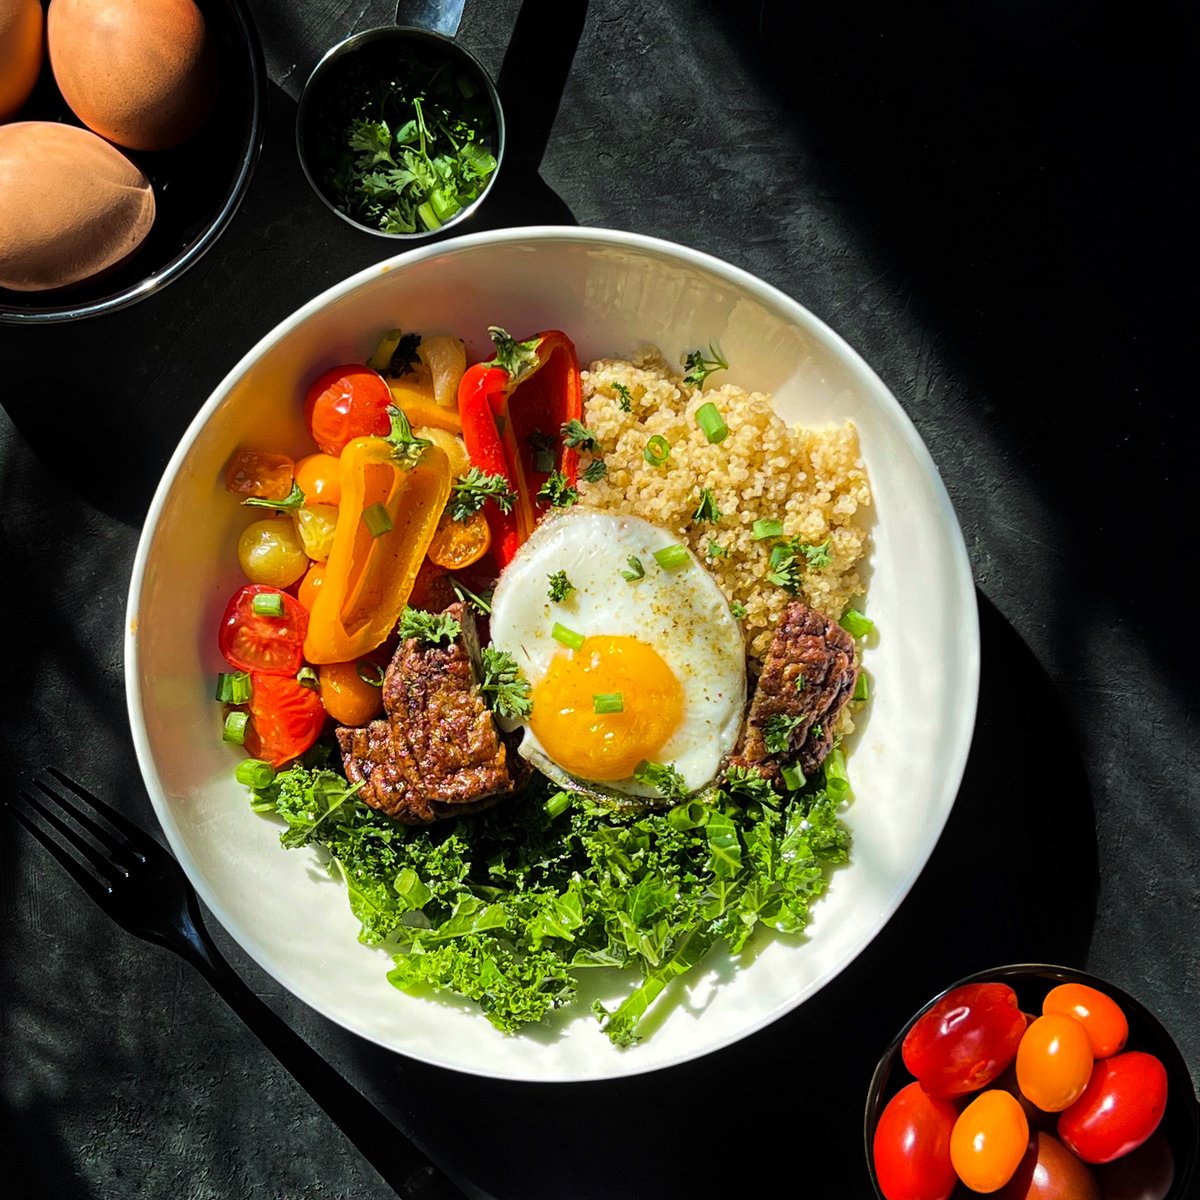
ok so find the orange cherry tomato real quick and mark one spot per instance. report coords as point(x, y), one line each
point(1100, 1015)
point(319, 477)
point(1054, 1062)
point(458, 544)
point(306, 593)
point(349, 698)
point(989, 1140)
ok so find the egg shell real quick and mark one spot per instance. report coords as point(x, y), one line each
point(142, 73)
point(21, 47)
point(71, 205)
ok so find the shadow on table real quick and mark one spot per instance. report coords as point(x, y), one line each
point(1013, 879)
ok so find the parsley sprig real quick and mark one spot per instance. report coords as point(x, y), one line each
point(476, 486)
point(700, 368)
point(503, 684)
point(430, 628)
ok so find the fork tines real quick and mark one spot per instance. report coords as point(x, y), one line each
point(110, 854)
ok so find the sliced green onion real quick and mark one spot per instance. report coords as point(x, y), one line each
point(635, 569)
point(566, 637)
point(608, 702)
point(862, 690)
point(268, 604)
point(235, 728)
point(233, 687)
point(793, 778)
point(657, 450)
point(369, 672)
point(307, 677)
point(855, 624)
point(255, 773)
point(670, 557)
point(711, 423)
point(767, 529)
point(558, 804)
point(376, 520)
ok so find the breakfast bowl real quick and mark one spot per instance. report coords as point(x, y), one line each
point(1103, 1104)
point(610, 293)
point(187, 156)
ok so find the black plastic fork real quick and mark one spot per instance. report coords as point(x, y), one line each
point(141, 886)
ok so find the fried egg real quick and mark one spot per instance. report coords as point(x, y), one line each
point(638, 663)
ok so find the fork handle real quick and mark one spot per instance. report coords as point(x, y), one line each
point(402, 1165)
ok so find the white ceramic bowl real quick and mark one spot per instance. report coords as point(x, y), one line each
point(610, 292)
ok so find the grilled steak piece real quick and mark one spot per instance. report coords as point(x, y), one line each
point(436, 752)
point(808, 675)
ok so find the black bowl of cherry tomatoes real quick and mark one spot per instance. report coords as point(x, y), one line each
point(1032, 1082)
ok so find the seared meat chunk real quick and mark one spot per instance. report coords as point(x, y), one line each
point(808, 675)
point(436, 752)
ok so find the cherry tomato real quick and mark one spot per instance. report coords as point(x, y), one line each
point(345, 403)
point(965, 1040)
point(1099, 1014)
point(1146, 1173)
point(319, 477)
point(315, 526)
point(1037, 1118)
point(989, 1140)
point(1049, 1171)
point(259, 473)
point(911, 1148)
point(285, 718)
point(349, 698)
point(254, 641)
point(306, 593)
point(270, 552)
point(1119, 1109)
point(1054, 1062)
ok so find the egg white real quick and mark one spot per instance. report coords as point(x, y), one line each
point(681, 613)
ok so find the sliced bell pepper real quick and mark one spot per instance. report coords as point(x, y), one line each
point(387, 517)
point(513, 409)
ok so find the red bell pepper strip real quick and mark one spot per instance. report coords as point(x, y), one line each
point(513, 409)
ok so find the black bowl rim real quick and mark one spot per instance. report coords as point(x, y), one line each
point(191, 254)
point(1177, 1067)
point(380, 33)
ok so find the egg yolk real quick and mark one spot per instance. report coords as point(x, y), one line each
point(606, 745)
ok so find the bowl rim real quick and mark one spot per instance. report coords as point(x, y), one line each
point(962, 582)
point(249, 38)
point(1130, 1004)
point(385, 33)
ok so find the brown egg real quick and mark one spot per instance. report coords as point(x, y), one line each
point(20, 52)
point(71, 205)
point(141, 73)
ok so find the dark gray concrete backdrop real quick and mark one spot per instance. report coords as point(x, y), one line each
point(994, 204)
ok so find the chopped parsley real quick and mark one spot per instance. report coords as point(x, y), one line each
point(504, 685)
point(663, 777)
point(777, 732)
point(473, 488)
point(560, 586)
point(577, 435)
point(700, 368)
point(714, 549)
point(635, 570)
point(706, 509)
point(738, 609)
point(596, 469)
point(430, 628)
point(558, 491)
point(786, 557)
point(624, 396)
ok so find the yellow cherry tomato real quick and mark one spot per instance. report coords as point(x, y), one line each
point(315, 527)
point(989, 1140)
point(349, 698)
point(270, 552)
point(1054, 1062)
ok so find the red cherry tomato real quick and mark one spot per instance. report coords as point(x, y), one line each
point(1049, 1171)
point(911, 1147)
point(1119, 1109)
point(1054, 1062)
point(1099, 1014)
point(989, 1140)
point(254, 641)
point(285, 718)
point(965, 1040)
point(345, 403)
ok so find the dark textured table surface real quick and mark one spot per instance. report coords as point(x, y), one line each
point(994, 204)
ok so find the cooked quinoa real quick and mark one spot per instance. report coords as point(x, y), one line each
point(812, 481)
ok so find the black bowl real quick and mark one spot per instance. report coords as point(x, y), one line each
point(1180, 1127)
point(198, 186)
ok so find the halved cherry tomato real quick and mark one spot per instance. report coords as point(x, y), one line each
point(1106, 1025)
point(965, 1040)
point(253, 641)
point(345, 403)
point(989, 1140)
point(1054, 1062)
point(1119, 1109)
point(319, 477)
point(458, 544)
point(349, 698)
point(911, 1147)
point(259, 473)
point(285, 718)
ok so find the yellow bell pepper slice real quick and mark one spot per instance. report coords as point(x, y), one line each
point(414, 397)
point(386, 520)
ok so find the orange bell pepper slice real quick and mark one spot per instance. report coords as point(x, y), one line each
point(387, 517)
